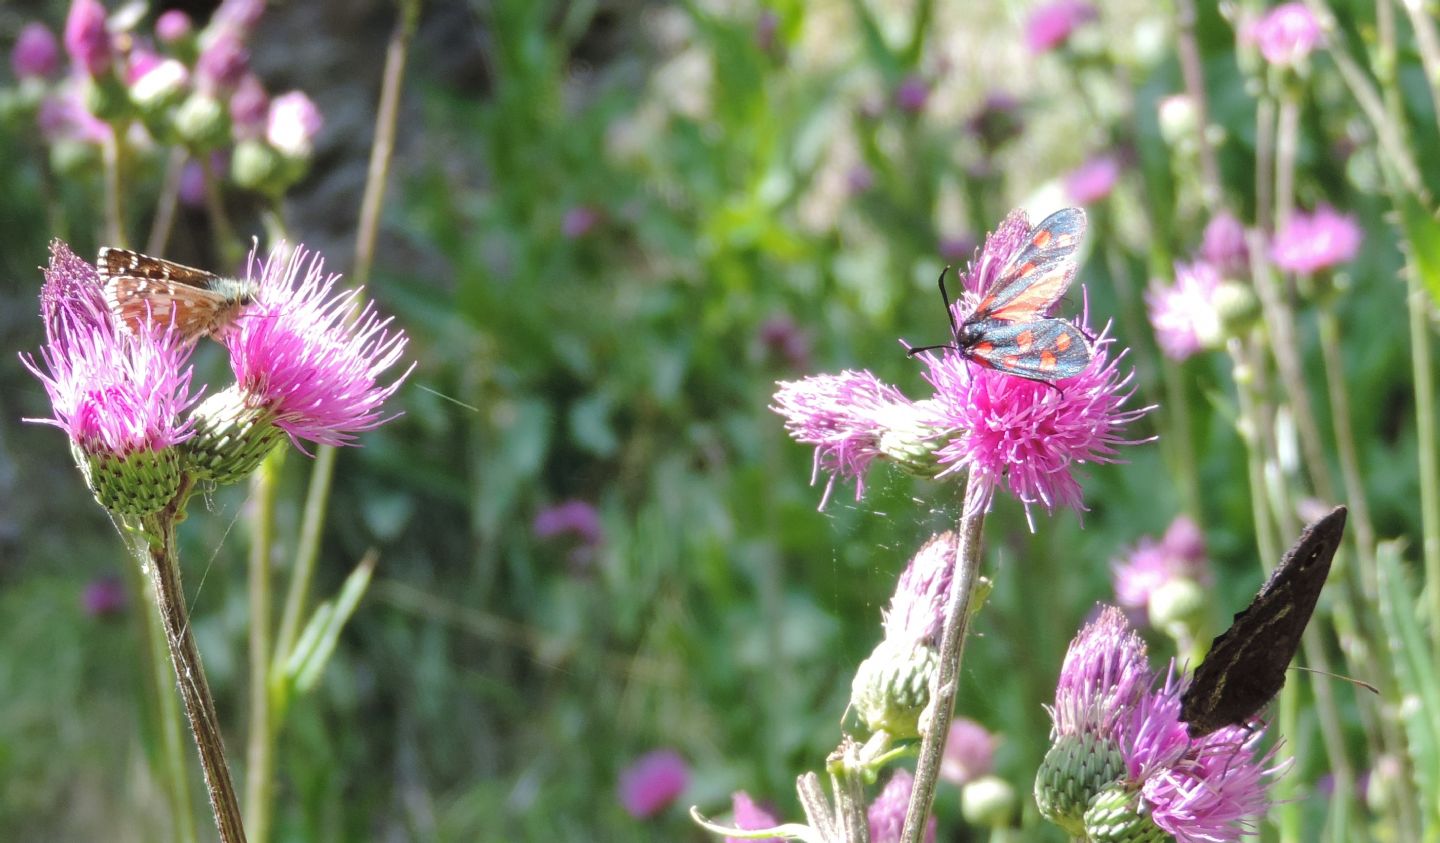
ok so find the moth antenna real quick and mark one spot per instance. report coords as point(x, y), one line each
point(914, 351)
point(949, 311)
point(1352, 680)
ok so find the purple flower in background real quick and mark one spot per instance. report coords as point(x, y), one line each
point(751, 817)
point(64, 117)
point(969, 752)
point(783, 338)
point(579, 221)
point(1223, 245)
point(222, 64)
point(310, 356)
point(36, 53)
point(911, 94)
point(86, 38)
point(1185, 315)
point(114, 393)
point(652, 782)
point(238, 16)
point(103, 597)
point(886, 814)
point(957, 248)
point(767, 27)
point(1311, 242)
point(1286, 34)
point(996, 121)
point(249, 109)
point(1093, 180)
point(1151, 564)
point(172, 26)
point(1051, 24)
point(860, 179)
point(577, 520)
point(293, 124)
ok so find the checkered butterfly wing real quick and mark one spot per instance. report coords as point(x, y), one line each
point(141, 289)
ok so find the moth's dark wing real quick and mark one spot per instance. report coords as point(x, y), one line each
point(1246, 664)
point(117, 263)
point(1040, 273)
point(1041, 349)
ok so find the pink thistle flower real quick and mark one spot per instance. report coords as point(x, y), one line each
point(309, 356)
point(751, 817)
point(172, 26)
point(1223, 245)
point(293, 123)
point(1104, 676)
point(574, 519)
point(652, 782)
point(36, 54)
point(1185, 315)
point(886, 814)
point(848, 417)
point(1197, 790)
point(1052, 24)
point(1118, 743)
point(1151, 564)
point(1311, 242)
point(1027, 436)
point(917, 609)
point(1093, 180)
point(1286, 34)
point(103, 597)
point(969, 752)
point(119, 396)
point(86, 38)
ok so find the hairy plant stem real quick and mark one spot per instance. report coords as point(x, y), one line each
point(162, 562)
point(947, 679)
point(259, 750)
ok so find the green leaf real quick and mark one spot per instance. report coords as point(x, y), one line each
point(1422, 235)
point(1413, 662)
point(317, 643)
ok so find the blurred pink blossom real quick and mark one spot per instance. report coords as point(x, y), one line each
point(652, 782)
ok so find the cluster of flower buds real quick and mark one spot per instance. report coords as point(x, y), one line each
point(177, 85)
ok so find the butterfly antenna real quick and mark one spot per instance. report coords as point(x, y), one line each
point(949, 314)
point(1352, 680)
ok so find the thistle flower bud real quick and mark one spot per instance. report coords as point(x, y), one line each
point(892, 687)
point(230, 439)
point(1118, 814)
point(1075, 769)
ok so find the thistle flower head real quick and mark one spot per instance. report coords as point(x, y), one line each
point(36, 53)
point(293, 123)
point(312, 357)
point(652, 782)
point(1186, 314)
point(969, 752)
point(1223, 245)
point(1151, 565)
point(1122, 762)
point(917, 609)
point(886, 814)
point(172, 26)
point(1286, 34)
point(1093, 180)
point(86, 38)
point(852, 418)
point(1312, 242)
point(1052, 24)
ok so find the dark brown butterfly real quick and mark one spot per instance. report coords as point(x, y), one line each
point(141, 289)
point(1246, 664)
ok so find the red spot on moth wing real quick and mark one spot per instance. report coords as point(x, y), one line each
point(1010, 361)
point(1047, 360)
point(983, 347)
point(1042, 238)
point(1025, 339)
point(1062, 342)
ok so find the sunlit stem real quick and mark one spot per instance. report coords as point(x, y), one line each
point(947, 679)
point(259, 751)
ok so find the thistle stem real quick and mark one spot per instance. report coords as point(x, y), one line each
point(259, 751)
point(169, 200)
point(947, 680)
point(164, 568)
point(1193, 72)
point(113, 152)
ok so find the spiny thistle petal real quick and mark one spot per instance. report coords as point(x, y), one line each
point(310, 356)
